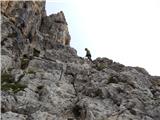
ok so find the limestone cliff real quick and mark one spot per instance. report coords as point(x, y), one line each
point(42, 78)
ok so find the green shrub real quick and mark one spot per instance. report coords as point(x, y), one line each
point(14, 34)
point(6, 77)
point(113, 79)
point(24, 63)
point(10, 69)
point(8, 83)
point(101, 66)
point(81, 62)
point(14, 87)
point(30, 71)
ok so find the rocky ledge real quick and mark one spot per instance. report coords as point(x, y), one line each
point(42, 78)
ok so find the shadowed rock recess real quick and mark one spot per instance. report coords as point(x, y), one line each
point(42, 78)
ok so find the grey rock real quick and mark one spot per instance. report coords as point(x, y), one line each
point(6, 63)
point(13, 116)
point(54, 83)
point(43, 116)
point(56, 28)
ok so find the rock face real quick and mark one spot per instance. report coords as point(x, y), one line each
point(43, 78)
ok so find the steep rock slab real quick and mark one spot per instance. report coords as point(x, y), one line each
point(55, 28)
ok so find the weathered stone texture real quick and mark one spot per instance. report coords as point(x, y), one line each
point(43, 78)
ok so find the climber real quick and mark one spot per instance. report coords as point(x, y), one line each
point(88, 54)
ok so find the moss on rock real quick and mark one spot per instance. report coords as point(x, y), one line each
point(9, 84)
point(7, 78)
point(14, 87)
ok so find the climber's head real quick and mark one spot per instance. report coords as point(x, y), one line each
point(86, 49)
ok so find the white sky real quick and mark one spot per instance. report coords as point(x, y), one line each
point(126, 31)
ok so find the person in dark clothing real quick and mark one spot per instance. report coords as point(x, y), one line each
point(88, 54)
